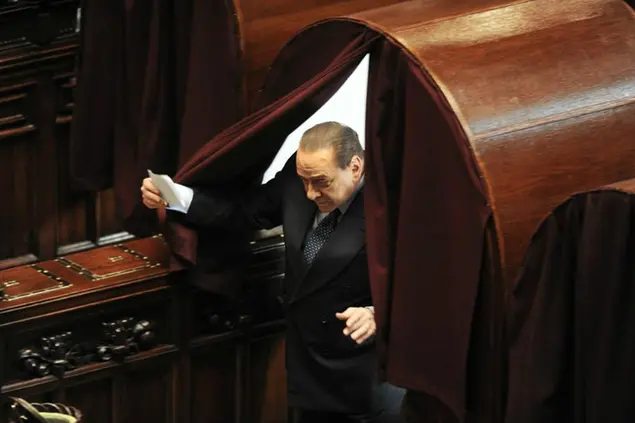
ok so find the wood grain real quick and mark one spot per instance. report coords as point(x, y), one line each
point(265, 26)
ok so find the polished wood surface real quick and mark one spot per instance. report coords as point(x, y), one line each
point(544, 94)
point(626, 186)
point(113, 333)
point(265, 26)
point(38, 58)
point(544, 91)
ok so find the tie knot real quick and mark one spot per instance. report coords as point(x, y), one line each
point(332, 216)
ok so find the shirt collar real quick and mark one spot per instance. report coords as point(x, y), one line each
point(346, 204)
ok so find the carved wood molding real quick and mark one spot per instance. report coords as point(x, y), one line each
point(29, 24)
point(59, 353)
point(65, 84)
point(14, 110)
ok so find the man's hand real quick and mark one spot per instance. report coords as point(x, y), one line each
point(360, 323)
point(151, 196)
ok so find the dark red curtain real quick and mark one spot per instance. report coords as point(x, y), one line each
point(426, 208)
point(157, 80)
point(236, 158)
point(95, 94)
point(572, 314)
point(426, 211)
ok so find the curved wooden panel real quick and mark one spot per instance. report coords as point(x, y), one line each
point(626, 186)
point(266, 25)
point(543, 94)
point(544, 91)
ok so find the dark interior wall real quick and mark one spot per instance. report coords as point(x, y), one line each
point(41, 217)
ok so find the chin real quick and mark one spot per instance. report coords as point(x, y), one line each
point(326, 208)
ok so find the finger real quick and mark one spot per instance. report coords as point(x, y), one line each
point(352, 329)
point(148, 185)
point(364, 337)
point(356, 318)
point(360, 331)
point(147, 195)
point(153, 204)
point(370, 332)
point(148, 204)
point(345, 314)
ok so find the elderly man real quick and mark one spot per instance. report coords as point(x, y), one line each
point(317, 198)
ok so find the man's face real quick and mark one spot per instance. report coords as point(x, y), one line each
point(325, 182)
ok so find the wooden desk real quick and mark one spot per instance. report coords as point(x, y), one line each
point(113, 333)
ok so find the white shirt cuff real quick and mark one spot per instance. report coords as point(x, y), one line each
point(185, 195)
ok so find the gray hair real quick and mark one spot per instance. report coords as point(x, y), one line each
point(341, 138)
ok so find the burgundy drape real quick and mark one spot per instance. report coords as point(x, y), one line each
point(92, 131)
point(237, 157)
point(426, 211)
point(572, 315)
point(157, 80)
point(426, 208)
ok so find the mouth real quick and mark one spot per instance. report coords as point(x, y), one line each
point(324, 206)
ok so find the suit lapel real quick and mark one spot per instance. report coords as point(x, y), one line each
point(301, 212)
point(348, 238)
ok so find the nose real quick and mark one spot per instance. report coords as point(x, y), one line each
point(311, 193)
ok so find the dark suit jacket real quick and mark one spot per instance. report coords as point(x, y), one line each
point(326, 370)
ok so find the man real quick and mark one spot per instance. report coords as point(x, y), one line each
point(317, 197)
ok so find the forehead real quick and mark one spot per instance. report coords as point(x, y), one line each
point(315, 163)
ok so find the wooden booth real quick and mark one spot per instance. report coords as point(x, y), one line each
point(75, 283)
point(485, 112)
point(484, 115)
point(571, 312)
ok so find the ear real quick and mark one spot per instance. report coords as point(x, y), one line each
point(357, 166)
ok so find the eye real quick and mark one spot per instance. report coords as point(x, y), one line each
point(322, 183)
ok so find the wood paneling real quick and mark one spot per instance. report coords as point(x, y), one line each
point(93, 398)
point(146, 395)
point(43, 216)
point(208, 360)
point(214, 366)
point(267, 383)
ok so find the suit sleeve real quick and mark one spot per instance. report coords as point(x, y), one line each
point(260, 209)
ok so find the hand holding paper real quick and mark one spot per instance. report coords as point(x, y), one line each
point(168, 189)
point(177, 197)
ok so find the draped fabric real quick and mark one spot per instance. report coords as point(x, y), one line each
point(235, 159)
point(95, 95)
point(572, 315)
point(426, 211)
point(426, 208)
point(157, 80)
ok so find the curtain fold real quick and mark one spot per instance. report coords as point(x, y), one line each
point(426, 206)
point(235, 159)
point(426, 213)
point(571, 315)
point(157, 80)
point(92, 130)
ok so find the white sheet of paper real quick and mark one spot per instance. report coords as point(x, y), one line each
point(167, 187)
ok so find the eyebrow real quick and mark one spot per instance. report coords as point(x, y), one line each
point(319, 176)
